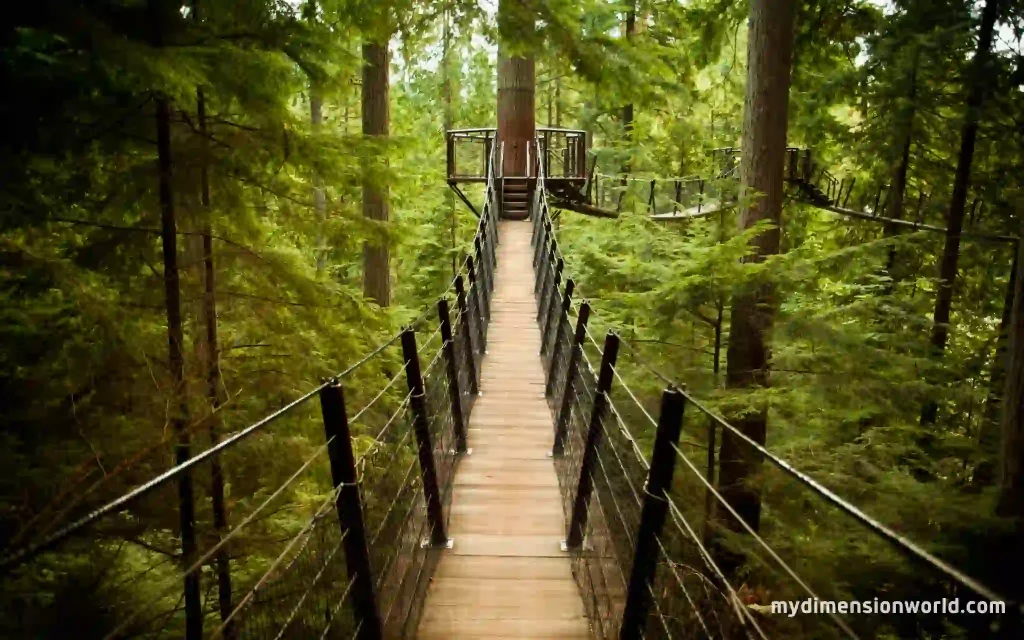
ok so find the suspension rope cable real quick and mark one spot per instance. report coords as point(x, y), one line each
point(406, 482)
point(334, 610)
point(379, 395)
point(761, 541)
point(316, 579)
point(231, 534)
point(265, 578)
point(636, 401)
point(683, 524)
point(679, 580)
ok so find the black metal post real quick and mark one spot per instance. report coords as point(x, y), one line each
point(454, 393)
point(549, 295)
point(543, 246)
point(578, 523)
point(421, 425)
point(563, 315)
point(562, 424)
point(478, 303)
point(487, 283)
point(467, 333)
point(651, 203)
point(849, 190)
point(652, 515)
point(349, 506)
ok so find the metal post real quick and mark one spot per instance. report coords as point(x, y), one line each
point(547, 303)
point(349, 506)
point(467, 332)
point(451, 155)
point(562, 312)
point(578, 523)
point(454, 393)
point(485, 275)
point(562, 424)
point(652, 515)
point(563, 316)
point(551, 282)
point(478, 303)
point(651, 204)
point(421, 425)
point(547, 260)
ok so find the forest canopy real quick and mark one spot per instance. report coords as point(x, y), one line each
point(208, 207)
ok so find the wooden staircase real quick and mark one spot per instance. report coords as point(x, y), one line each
point(515, 198)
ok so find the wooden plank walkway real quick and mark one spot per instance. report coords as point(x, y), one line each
point(506, 576)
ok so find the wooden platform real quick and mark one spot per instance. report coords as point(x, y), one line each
point(506, 576)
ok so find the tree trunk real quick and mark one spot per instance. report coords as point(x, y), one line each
point(516, 123)
point(988, 441)
point(961, 183)
point(376, 258)
point(1011, 463)
point(214, 385)
point(449, 119)
point(898, 188)
point(558, 102)
point(627, 110)
point(769, 63)
point(179, 417)
point(316, 104)
point(517, 85)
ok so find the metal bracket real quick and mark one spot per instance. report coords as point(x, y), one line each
point(425, 544)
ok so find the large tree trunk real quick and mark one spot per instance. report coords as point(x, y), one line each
point(376, 258)
point(1011, 467)
point(517, 85)
point(988, 440)
point(627, 109)
point(179, 410)
point(961, 183)
point(516, 121)
point(769, 63)
point(214, 385)
point(449, 119)
point(316, 104)
point(898, 186)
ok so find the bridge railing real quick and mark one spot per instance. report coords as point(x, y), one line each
point(334, 535)
point(658, 495)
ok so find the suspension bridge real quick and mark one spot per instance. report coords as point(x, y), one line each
point(506, 476)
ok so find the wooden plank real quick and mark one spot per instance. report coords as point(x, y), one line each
point(506, 575)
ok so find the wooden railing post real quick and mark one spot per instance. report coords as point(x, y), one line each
point(421, 426)
point(652, 515)
point(561, 425)
point(563, 316)
point(454, 393)
point(578, 522)
point(467, 334)
point(350, 511)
